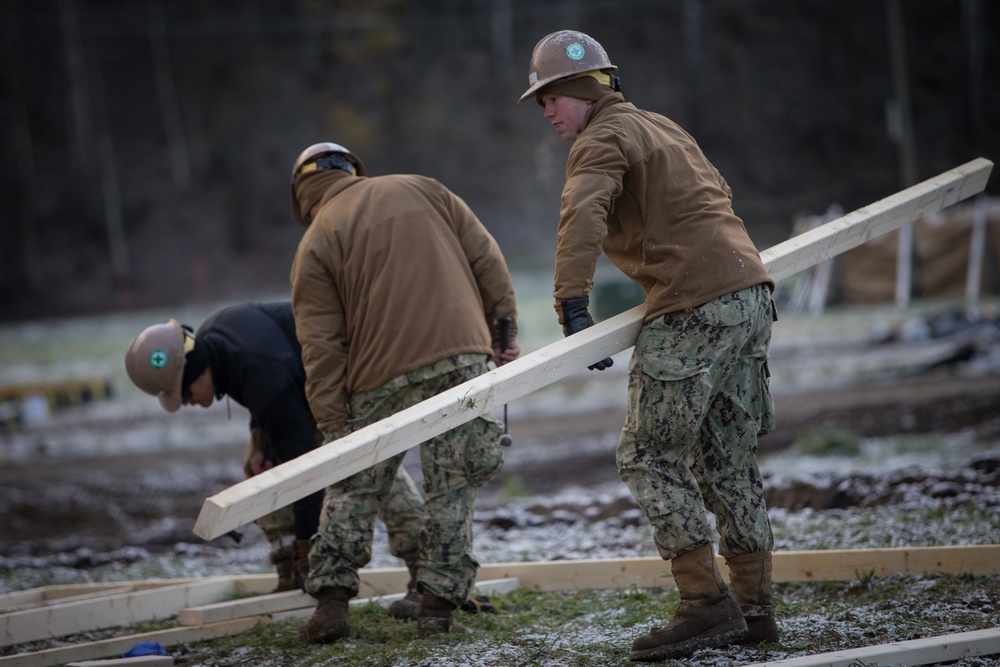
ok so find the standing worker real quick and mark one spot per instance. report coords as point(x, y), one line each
point(639, 187)
point(250, 352)
point(398, 292)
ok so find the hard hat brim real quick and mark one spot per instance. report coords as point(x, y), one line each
point(172, 401)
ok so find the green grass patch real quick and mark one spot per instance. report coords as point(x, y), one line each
point(828, 442)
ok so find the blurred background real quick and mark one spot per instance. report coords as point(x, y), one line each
point(146, 145)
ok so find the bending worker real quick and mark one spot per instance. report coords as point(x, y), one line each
point(250, 352)
point(398, 292)
point(639, 188)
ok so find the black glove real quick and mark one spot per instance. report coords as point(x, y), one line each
point(576, 318)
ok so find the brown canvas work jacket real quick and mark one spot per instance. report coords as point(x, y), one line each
point(639, 186)
point(395, 273)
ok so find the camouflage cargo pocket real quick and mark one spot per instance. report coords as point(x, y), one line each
point(763, 402)
point(486, 455)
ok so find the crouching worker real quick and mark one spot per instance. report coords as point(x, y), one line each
point(250, 353)
point(398, 292)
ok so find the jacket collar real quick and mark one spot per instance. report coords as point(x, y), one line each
point(599, 105)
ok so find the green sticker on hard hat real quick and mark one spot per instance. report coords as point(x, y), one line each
point(157, 359)
point(575, 51)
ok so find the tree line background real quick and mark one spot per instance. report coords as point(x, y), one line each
point(146, 144)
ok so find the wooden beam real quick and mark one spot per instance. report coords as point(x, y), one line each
point(926, 651)
point(110, 611)
point(104, 592)
point(136, 661)
point(105, 648)
point(787, 566)
point(277, 605)
point(53, 592)
point(326, 465)
point(258, 605)
point(652, 571)
point(849, 564)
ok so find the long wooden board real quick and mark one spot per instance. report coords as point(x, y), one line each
point(293, 604)
point(109, 611)
point(926, 651)
point(118, 645)
point(315, 470)
point(787, 566)
point(61, 592)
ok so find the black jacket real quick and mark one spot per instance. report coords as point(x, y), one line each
point(256, 359)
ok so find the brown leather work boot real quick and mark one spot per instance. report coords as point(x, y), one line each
point(409, 606)
point(284, 564)
point(750, 578)
point(435, 617)
point(707, 618)
point(329, 622)
point(300, 567)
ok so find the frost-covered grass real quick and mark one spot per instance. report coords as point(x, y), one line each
point(590, 628)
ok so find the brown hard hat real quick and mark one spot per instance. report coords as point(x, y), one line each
point(309, 158)
point(155, 362)
point(561, 54)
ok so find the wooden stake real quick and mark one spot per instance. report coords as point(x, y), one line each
point(315, 470)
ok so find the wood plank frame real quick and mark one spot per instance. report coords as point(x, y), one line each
point(119, 645)
point(111, 610)
point(60, 592)
point(315, 470)
point(226, 618)
point(292, 604)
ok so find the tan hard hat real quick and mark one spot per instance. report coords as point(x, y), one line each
point(563, 54)
point(307, 159)
point(155, 362)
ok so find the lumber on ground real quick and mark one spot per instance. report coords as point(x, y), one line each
point(226, 618)
point(326, 465)
point(136, 661)
point(118, 645)
point(60, 592)
point(279, 603)
point(787, 566)
point(217, 620)
point(109, 611)
point(926, 651)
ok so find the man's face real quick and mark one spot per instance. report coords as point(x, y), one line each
point(565, 113)
point(202, 391)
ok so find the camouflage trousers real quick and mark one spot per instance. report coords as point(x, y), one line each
point(455, 465)
point(698, 399)
point(279, 529)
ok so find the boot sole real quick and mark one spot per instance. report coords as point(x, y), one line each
point(730, 635)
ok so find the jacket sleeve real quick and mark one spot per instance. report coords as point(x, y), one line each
point(288, 427)
point(321, 329)
point(488, 266)
point(594, 174)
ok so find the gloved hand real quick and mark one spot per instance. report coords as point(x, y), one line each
point(256, 460)
point(574, 317)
